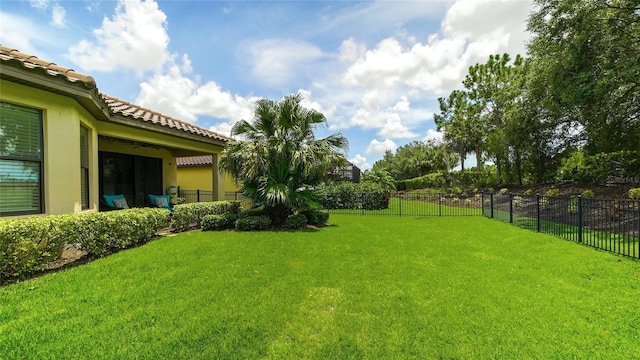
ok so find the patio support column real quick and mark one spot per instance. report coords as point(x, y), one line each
point(218, 178)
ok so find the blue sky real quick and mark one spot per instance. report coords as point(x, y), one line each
point(374, 68)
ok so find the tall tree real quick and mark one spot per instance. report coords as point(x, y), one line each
point(485, 85)
point(278, 159)
point(465, 131)
point(591, 52)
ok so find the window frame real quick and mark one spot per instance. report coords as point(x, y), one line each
point(24, 159)
point(85, 200)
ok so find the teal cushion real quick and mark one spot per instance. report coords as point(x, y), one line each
point(109, 199)
point(166, 200)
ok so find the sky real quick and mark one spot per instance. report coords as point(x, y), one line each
point(375, 69)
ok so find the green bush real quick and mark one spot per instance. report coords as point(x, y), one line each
point(99, 233)
point(26, 245)
point(253, 212)
point(188, 216)
point(296, 221)
point(316, 217)
point(553, 192)
point(587, 193)
point(503, 191)
point(347, 195)
point(218, 222)
point(528, 192)
point(432, 180)
point(621, 166)
point(634, 193)
point(253, 223)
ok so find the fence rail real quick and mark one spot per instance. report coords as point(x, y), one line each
point(192, 196)
point(606, 224)
point(414, 205)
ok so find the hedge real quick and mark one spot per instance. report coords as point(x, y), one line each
point(189, 216)
point(348, 195)
point(295, 221)
point(26, 245)
point(218, 222)
point(253, 223)
point(316, 217)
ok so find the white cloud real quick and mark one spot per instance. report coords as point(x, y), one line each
point(134, 38)
point(393, 85)
point(277, 61)
point(176, 94)
point(17, 32)
point(39, 4)
point(58, 16)
point(380, 147)
point(435, 135)
point(223, 128)
point(361, 162)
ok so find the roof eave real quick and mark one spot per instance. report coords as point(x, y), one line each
point(132, 122)
point(89, 98)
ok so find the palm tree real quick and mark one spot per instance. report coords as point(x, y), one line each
point(278, 159)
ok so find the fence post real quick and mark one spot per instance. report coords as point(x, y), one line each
point(399, 202)
point(510, 208)
point(491, 203)
point(198, 195)
point(580, 218)
point(439, 204)
point(538, 212)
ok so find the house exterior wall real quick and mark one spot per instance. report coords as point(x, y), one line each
point(61, 119)
point(200, 178)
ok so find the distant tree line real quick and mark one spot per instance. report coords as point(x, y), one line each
point(568, 110)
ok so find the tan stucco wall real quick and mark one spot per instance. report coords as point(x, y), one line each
point(200, 178)
point(61, 117)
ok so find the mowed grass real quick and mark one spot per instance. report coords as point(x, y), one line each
point(363, 288)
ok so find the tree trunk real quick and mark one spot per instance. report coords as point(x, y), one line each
point(478, 159)
point(278, 214)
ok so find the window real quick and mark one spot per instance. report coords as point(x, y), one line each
point(84, 166)
point(20, 160)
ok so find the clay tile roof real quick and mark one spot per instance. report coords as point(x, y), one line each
point(194, 161)
point(127, 109)
point(33, 62)
point(116, 106)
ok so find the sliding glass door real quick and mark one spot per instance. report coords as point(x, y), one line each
point(131, 175)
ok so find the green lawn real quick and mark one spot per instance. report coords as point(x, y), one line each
point(365, 287)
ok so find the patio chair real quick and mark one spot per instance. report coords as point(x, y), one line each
point(161, 201)
point(114, 202)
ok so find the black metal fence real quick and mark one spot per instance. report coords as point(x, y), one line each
point(192, 196)
point(412, 204)
point(606, 224)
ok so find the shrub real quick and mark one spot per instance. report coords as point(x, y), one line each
point(316, 217)
point(296, 221)
point(218, 222)
point(634, 193)
point(503, 191)
point(552, 192)
point(347, 195)
point(253, 212)
point(528, 192)
point(99, 233)
point(253, 223)
point(587, 193)
point(26, 245)
point(188, 216)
